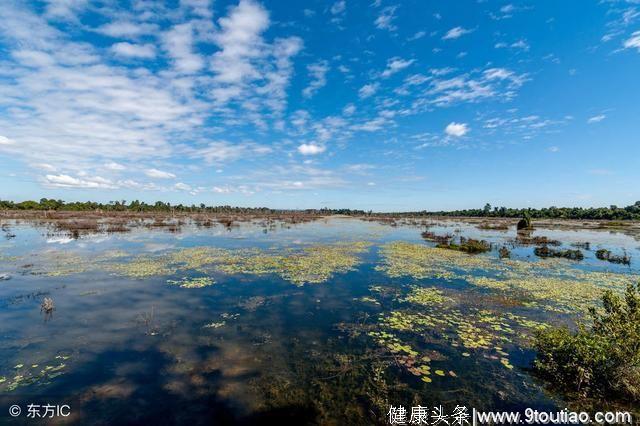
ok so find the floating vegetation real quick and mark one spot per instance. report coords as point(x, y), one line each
point(462, 332)
point(314, 264)
point(545, 251)
point(142, 267)
point(418, 261)
point(551, 284)
point(604, 254)
point(215, 324)
point(33, 375)
point(190, 282)
point(369, 299)
point(429, 296)
point(61, 263)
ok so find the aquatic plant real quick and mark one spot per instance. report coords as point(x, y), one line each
point(441, 239)
point(427, 296)
point(545, 251)
point(504, 253)
point(467, 245)
point(418, 261)
point(192, 282)
point(604, 254)
point(601, 360)
point(142, 267)
point(47, 305)
point(32, 375)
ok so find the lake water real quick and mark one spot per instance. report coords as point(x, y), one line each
point(327, 322)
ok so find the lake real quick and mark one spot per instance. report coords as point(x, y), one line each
point(330, 321)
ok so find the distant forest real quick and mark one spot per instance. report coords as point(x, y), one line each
point(598, 213)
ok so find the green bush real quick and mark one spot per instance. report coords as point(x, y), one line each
point(545, 251)
point(604, 254)
point(467, 245)
point(600, 360)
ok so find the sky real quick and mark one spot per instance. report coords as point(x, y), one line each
point(381, 105)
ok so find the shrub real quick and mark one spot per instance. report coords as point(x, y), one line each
point(467, 245)
point(504, 253)
point(567, 254)
point(525, 222)
point(602, 360)
point(604, 254)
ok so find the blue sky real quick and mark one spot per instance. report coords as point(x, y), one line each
point(378, 104)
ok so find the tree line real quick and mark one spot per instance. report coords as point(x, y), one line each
point(613, 212)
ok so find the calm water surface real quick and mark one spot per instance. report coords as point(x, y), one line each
point(135, 347)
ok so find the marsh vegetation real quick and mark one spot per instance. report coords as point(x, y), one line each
point(329, 320)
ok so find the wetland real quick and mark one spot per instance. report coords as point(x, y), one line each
point(322, 320)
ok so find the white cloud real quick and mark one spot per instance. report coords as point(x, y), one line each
point(473, 86)
point(338, 7)
point(112, 165)
point(70, 105)
point(596, 118)
point(66, 181)
point(633, 41)
point(372, 125)
point(64, 9)
point(349, 109)
point(311, 149)
point(223, 151)
point(180, 186)
point(384, 21)
point(199, 7)
point(520, 44)
point(456, 129)
point(126, 29)
point(159, 174)
point(417, 36)
point(221, 190)
point(553, 149)
point(45, 167)
point(368, 90)
point(242, 68)
point(6, 141)
point(318, 73)
point(396, 64)
point(129, 50)
point(178, 42)
point(240, 41)
point(456, 32)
